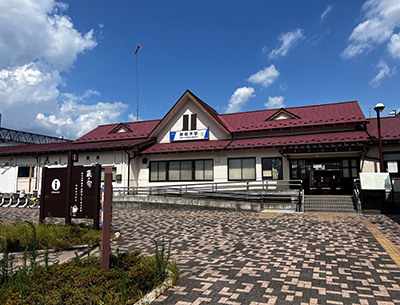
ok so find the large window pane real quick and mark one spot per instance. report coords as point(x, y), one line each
point(154, 171)
point(174, 170)
point(162, 171)
point(186, 170)
point(199, 170)
point(208, 170)
point(277, 168)
point(235, 169)
point(249, 170)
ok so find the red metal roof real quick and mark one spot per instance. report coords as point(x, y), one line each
point(103, 132)
point(390, 128)
point(64, 147)
point(191, 146)
point(335, 138)
point(329, 114)
point(301, 140)
point(211, 111)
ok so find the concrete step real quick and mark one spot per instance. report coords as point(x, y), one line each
point(328, 204)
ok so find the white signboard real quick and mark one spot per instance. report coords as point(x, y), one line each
point(392, 167)
point(201, 134)
point(375, 181)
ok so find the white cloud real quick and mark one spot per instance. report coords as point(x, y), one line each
point(275, 102)
point(133, 118)
point(381, 17)
point(394, 46)
point(384, 71)
point(38, 42)
point(265, 77)
point(289, 40)
point(326, 11)
point(239, 99)
point(37, 30)
point(72, 119)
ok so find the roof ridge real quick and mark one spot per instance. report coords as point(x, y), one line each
point(296, 107)
point(111, 124)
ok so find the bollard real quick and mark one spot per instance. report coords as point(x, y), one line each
point(105, 244)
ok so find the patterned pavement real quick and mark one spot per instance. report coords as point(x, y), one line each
point(257, 259)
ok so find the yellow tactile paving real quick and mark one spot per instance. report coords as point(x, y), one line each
point(266, 215)
point(389, 247)
point(192, 215)
point(325, 217)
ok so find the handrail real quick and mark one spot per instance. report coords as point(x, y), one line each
point(357, 195)
point(212, 187)
point(247, 190)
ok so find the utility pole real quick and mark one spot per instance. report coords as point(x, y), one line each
point(137, 81)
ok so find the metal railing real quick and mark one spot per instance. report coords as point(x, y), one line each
point(265, 191)
point(357, 195)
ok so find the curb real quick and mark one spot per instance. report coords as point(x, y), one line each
point(156, 292)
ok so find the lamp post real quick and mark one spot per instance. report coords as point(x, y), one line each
point(379, 108)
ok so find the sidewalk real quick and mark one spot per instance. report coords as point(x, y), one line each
point(252, 258)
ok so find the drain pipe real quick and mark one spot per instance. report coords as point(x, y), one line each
point(229, 142)
point(129, 167)
point(37, 171)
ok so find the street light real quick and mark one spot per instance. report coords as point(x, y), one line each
point(379, 108)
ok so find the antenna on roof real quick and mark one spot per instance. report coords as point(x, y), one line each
point(137, 81)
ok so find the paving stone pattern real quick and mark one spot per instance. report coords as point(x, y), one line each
point(241, 258)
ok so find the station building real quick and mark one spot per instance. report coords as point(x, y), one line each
point(326, 146)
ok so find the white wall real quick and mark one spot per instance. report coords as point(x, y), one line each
point(220, 164)
point(8, 179)
point(175, 123)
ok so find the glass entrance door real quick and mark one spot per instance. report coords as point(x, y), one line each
point(325, 176)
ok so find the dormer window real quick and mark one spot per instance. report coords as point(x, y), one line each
point(193, 122)
point(282, 114)
point(121, 128)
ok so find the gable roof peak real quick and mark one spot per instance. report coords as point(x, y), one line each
point(208, 110)
point(121, 127)
point(282, 113)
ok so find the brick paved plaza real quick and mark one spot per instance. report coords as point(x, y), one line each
point(256, 259)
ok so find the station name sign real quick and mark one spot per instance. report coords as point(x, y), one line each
point(201, 134)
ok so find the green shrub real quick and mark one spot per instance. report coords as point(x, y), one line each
point(20, 235)
point(131, 276)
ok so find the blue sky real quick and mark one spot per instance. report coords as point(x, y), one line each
point(69, 66)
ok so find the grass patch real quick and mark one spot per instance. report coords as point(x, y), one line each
point(130, 277)
point(20, 235)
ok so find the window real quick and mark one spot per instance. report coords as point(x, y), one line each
point(185, 122)
point(350, 168)
point(114, 174)
point(272, 168)
point(193, 122)
point(158, 171)
point(242, 169)
point(299, 169)
point(203, 170)
point(392, 163)
point(23, 172)
point(185, 170)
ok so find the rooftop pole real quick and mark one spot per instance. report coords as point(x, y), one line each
point(137, 81)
